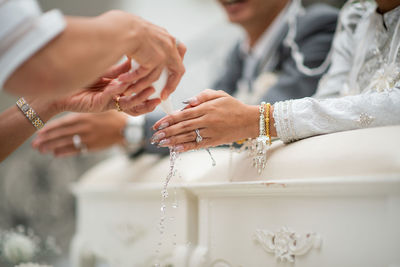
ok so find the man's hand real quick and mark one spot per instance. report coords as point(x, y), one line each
point(97, 131)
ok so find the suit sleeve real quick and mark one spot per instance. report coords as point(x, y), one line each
point(314, 37)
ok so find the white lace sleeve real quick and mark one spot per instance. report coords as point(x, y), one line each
point(333, 82)
point(298, 119)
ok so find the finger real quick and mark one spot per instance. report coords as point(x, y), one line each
point(182, 49)
point(60, 135)
point(177, 117)
point(193, 145)
point(135, 75)
point(66, 121)
point(56, 143)
point(180, 138)
point(204, 96)
point(127, 102)
point(146, 107)
point(176, 72)
point(145, 82)
point(179, 128)
point(118, 69)
point(116, 87)
point(68, 150)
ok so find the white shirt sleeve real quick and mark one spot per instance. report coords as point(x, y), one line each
point(24, 30)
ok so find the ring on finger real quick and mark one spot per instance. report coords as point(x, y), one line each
point(177, 42)
point(77, 141)
point(116, 101)
point(199, 138)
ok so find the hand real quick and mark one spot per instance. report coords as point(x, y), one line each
point(97, 131)
point(154, 49)
point(101, 96)
point(220, 118)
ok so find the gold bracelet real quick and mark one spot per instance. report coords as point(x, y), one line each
point(267, 129)
point(30, 114)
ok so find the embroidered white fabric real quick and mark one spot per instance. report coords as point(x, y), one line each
point(362, 86)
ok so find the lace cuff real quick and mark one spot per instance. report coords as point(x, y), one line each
point(283, 121)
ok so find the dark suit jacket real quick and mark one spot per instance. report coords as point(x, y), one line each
point(314, 36)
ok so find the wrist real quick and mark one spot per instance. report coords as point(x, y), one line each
point(253, 118)
point(123, 28)
point(45, 109)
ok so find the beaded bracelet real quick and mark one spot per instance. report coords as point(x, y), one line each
point(30, 113)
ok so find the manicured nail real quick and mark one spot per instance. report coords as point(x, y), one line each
point(179, 148)
point(163, 125)
point(157, 137)
point(192, 100)
point(164, 142)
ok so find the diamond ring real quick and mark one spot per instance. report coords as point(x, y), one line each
point(199, 138)
point(77, 141)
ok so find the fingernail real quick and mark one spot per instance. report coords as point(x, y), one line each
point(157, 137)
point(163, 125)
point(179, 148)
point(164, 142)
point(192, 100)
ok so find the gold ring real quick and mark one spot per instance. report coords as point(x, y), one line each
point(116, 100)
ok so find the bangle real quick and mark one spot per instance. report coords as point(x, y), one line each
point(261, 143)
point(30, 114)
point(267, 119)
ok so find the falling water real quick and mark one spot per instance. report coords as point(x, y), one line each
point(173, 155)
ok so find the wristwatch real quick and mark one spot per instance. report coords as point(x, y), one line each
point(133, 132)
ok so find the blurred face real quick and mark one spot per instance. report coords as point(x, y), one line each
point(246, 12)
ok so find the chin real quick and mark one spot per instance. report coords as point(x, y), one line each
point(238, 11)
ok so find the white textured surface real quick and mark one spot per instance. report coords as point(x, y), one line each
point(348, 203)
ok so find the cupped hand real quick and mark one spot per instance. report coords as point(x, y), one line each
point(154, 49)
point(103, 94)
point(220, 118)
point(97, 131)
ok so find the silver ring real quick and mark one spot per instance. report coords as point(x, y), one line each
point(77, 141)
point(177, 42)
point(199, 138)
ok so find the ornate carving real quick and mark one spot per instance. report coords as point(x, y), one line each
point(285, 243)
point(128, 232)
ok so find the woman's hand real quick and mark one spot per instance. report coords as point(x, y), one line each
point(220, 118)
point(102, 95)
point(97, 131)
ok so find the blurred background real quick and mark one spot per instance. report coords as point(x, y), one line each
point(35, 188)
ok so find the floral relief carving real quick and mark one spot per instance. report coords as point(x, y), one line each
point(286, 244)
point(128, 232)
